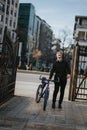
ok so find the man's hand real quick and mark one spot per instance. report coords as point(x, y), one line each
point(68, 76)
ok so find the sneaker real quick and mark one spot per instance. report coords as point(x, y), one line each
point(53, 105)
point(60, 107)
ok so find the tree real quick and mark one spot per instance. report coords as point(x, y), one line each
point(66, 37)
point(36, 54)
point(55, 46)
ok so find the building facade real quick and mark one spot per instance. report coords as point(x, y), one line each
point(37, 25)
point(45, 42)
point(8, 17)
point(35, 34)
point(26, 27)
point(78, 86)
point(80, 30)
point(80, 36)
point(8, 49)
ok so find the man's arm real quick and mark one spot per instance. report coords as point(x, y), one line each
point(52, 71)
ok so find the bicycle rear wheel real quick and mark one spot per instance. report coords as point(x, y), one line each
point(45, 99)
point(39, 93)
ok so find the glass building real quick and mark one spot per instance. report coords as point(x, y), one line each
point(26, 30)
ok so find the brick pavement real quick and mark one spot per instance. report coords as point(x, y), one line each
point(22, 113)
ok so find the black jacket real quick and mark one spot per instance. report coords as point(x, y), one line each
point(61, 69)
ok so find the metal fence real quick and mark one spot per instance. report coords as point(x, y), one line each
point(7, 69)
point(78, 82)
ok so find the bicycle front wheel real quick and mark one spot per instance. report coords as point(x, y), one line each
point(45, 99)
point(39, 93)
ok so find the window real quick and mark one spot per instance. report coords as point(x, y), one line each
point(15, 14)
point(12, 2)
point(0, 30)
point(81, 35)
point(2, 7)
point(8, 1)
point(11, 12)
point(1, 18)
point(7, 11)
point(16, 5)
point(14, 24)
point(6, 21)
point(10, 22)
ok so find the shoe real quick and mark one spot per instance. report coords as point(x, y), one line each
point(53, 105)
point(60, 107)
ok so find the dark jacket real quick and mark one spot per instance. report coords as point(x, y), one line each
point(61, 69)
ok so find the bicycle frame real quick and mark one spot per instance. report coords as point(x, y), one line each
point(46, 86)
point(43, 91)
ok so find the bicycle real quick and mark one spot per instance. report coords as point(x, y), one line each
point(43, 91)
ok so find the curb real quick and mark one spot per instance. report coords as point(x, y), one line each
point(32, 72)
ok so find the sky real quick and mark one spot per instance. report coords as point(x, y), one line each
point(59, 14)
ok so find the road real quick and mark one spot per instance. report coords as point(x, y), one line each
point(27, 83)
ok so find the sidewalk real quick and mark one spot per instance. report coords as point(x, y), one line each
point(23, 113)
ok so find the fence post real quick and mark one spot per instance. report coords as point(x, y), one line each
point(74, 72)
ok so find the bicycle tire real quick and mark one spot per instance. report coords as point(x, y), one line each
point(38, 93)
point(45, 99)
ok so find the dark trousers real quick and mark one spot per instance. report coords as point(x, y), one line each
point(60, 85)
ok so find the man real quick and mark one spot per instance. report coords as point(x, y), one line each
point(62, 72)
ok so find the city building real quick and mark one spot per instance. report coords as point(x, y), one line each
point(35, 34)
point(37, 25)
point(80, 30)
point(45, 42)
point(78, 87)
point(26, 20)
point(80, 36)
point(8, 18)
point(8, 48)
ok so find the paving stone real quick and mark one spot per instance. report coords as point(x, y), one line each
point(22, 113)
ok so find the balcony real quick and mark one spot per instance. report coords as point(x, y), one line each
point(81, 26)
point(83, 42)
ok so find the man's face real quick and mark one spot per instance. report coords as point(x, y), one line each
point(59, 56)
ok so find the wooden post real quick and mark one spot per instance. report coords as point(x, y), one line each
point(73, 81)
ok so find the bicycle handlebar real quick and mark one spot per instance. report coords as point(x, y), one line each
point(45, 79)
